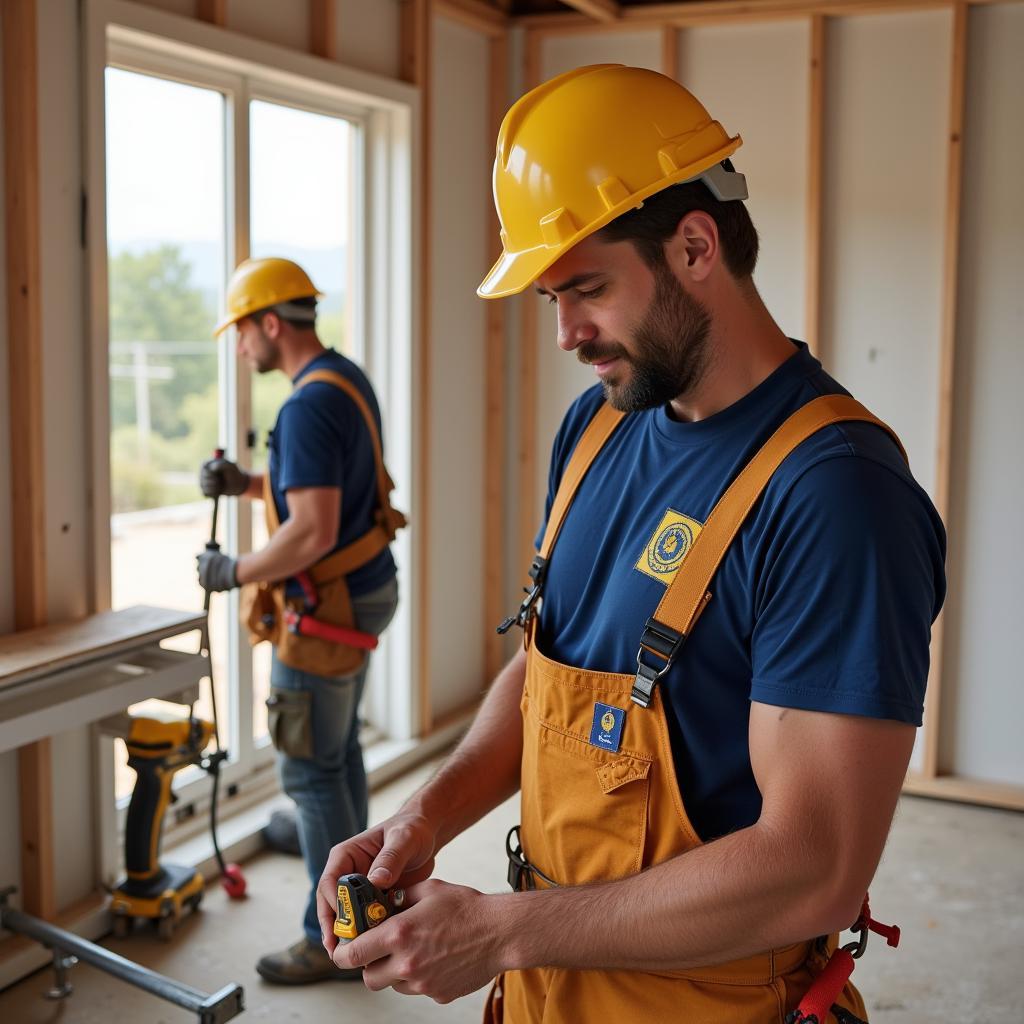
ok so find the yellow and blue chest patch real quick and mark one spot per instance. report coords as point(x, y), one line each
point(606, 729)
point(668, 546)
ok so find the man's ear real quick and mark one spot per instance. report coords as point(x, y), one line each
point(271, 324)
point(694, 249)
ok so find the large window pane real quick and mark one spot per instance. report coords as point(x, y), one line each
point(166, 238)
point(301, 196)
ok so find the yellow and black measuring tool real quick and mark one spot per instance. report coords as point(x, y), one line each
point(362, 906)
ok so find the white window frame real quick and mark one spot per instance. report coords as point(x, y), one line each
point(129, 35)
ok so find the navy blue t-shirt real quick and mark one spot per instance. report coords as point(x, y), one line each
point(823, 602)
point(320, 439)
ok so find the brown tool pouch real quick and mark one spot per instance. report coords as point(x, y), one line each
point(290, 721)
point(263, 605)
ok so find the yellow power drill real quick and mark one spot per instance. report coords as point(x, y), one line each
point(361, 906)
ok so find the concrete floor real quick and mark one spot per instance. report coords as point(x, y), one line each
point(952, 878)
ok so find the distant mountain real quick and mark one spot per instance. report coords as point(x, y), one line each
point(325, 266)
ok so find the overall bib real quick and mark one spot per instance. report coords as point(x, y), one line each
point(592, 815)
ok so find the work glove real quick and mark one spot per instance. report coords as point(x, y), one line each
point(216, 571)
point(219, 477)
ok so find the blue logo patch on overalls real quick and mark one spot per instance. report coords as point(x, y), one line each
point(606, 732)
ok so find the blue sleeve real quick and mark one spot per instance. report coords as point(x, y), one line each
point(851, 585)
point(310, 448)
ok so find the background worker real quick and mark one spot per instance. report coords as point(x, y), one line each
point(709, 807)
point(324, 490)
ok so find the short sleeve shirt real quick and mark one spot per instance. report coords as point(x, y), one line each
point(321, 439)
point(823, 602)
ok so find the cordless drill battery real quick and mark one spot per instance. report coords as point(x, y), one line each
point(361, 906)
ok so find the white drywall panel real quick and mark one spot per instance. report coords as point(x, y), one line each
point(286, 24)
point(754, 80)
point(887, 84)
point(74, 821)
point(10, 834)
point(62, 262)
point(368, 33)
point(637, 49)
point(186, 8)
point(461, 153)
point(983, 685)
point(560, 375)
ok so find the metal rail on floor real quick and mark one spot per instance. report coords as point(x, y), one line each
point(69, 948)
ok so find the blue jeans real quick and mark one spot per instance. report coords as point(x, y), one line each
point(329, 789)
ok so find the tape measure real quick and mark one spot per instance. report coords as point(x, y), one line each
point(361, 906)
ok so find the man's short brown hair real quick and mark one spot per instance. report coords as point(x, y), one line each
point(652, 224)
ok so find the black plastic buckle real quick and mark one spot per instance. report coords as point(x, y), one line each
point(659, 641)
point(529, 607)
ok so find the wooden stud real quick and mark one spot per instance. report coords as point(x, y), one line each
point(25, 412)
point(213, 11)
point(494, 382)
point(972, 791)
point(416, 32)
point(710, 12)
point(670, 51)
point(813, 213)
point(323, 34)
point(475, 14)
point(947, 361)
point(599, 10)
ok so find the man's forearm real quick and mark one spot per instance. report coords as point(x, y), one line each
point(291, 550)
point(484, 769)
point(751, 891)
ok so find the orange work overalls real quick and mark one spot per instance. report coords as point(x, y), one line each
point(592, 815)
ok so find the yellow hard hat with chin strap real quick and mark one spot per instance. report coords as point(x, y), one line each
point(261, 283)
point(584, 148)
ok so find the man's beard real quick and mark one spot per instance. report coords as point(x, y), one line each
point(670, 349)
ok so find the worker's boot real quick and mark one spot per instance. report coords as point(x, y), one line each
point(303, 963)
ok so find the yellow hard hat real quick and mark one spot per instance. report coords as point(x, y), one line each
point(578, 151)
point(257, 284)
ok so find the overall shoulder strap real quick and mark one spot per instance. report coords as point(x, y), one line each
point(688, 595)
point(593, 439)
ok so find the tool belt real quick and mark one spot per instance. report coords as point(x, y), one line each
point(317, 632)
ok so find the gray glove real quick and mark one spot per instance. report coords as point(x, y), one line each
point(219, 477)
point(216, 571)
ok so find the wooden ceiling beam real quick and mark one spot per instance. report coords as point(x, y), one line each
point(683, 13)
point(599, 10)
point(475, 14)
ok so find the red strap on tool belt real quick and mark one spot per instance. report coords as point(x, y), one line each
point(819, 1001)
point(306, 625)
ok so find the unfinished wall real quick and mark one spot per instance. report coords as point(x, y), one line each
point(459, 199)
point(887, 82)
point(754, 79)
point(984, 674)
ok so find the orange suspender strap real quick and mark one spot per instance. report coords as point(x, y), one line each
point(389, 519)
point(688, 595)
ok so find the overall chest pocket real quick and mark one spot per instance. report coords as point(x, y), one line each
point(584, 809)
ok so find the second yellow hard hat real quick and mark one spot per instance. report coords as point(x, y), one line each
point(578, 151)
point(257, 284)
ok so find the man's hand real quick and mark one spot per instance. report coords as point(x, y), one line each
point(447, 942)
point(219, 477)
point(217, 571)
point(398, 852)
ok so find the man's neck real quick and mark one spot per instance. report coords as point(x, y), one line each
point(299, 353)
point(745, 346)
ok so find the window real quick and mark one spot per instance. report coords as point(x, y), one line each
point(208, 157)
